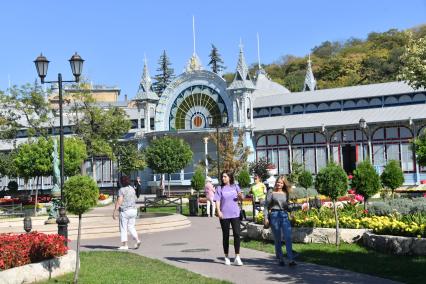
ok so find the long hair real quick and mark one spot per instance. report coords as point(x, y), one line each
point(286, 184)
point(230, 174)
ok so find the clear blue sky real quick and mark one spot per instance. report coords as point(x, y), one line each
point(112, 36)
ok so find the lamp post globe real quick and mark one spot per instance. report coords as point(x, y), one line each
point(76, 63)
point(42, 65)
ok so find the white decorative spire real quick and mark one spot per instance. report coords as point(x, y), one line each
point(194, 63)
point(146, 82)
point(310, 82)
point(145, 91)
point(242, 78)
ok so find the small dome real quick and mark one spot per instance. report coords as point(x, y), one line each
point(267, 87)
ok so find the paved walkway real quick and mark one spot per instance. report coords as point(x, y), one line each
point(199, 248)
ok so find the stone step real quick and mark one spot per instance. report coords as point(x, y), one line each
point(92, 228)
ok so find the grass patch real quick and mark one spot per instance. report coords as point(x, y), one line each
point(353, 257)
point(185, 210)
point(125, 267)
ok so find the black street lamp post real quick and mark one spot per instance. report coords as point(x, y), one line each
point(42, 65)
point(219, 122)
point(362, 126)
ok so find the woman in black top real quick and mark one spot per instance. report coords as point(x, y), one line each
point(277, 207)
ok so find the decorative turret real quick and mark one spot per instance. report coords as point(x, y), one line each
point(242, 78)
point(240, 91)
point(310, 82)
point(146, 99)
point(145, 91)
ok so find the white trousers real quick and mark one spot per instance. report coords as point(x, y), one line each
point(127, 224)
point(213, 206)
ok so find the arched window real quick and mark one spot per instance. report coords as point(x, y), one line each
point(391, 101)
point(311, 108)
point(419, 98)
point(393, 143)
point(298, 109)
point(335, 106)
point(309, 149)
point(349, 104)
point(322, 106)
point(405, 99)
point(375, 102)
point(274, 149)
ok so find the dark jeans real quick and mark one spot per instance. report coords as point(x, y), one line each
point(235, 223)
point(280, 225)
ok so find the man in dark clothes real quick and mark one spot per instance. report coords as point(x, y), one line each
point(138, 187)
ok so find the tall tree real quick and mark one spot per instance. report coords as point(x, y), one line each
point(32, 105)
point(216, 60)
point(165, 75)
point(413, 62)
point(99, 129)
point(233, 153)
point(129, 158)
point(168, 155)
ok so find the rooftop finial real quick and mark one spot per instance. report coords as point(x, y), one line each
point(310, 82)
point(193, 31)
point(258, 51)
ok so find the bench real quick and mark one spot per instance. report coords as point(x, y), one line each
point(11, 210)
point(158, 202)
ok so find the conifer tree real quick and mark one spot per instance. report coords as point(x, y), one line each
point(165, 75)
point(215, 60)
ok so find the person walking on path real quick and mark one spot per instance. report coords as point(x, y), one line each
point(138, 187)
point(210, 191)
point(277, 208)
point(228, 211)
point(126, 205)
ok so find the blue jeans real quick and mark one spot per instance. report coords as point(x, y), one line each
point(280, 225)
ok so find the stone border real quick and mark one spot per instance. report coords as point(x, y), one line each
point(40, 271)
point(395, 244)
point(308, 235)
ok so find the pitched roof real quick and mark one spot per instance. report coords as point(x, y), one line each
point(351, 117)
point(361, 91)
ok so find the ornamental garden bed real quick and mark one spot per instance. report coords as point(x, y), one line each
point(33, 257)
point(104, 199)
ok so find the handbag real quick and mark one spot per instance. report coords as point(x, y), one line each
point(243, 215)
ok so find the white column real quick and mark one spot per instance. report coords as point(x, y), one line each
point(206, 140)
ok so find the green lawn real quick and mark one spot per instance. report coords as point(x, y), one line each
point(185, 210)
point(407, 269)
point(124, 267)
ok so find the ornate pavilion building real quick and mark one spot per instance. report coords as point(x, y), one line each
point(346, 125)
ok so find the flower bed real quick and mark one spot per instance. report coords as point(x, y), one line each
point(17, 250)
point(353, 217)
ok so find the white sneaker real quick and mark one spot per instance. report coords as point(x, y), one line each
point(138, 244)
point(123, 248)
point(227, 261)
point(237, 261)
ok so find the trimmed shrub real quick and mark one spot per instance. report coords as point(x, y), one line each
point(243, 179)
point(198, 180)
point(403, 206)
point(366, 180)
point(392, 176)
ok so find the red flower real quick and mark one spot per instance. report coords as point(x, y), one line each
point(350, 176)
point(359, 198)
point(365, 211)
point(351, 191)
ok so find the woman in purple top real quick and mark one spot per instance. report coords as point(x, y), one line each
point(226, 198)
